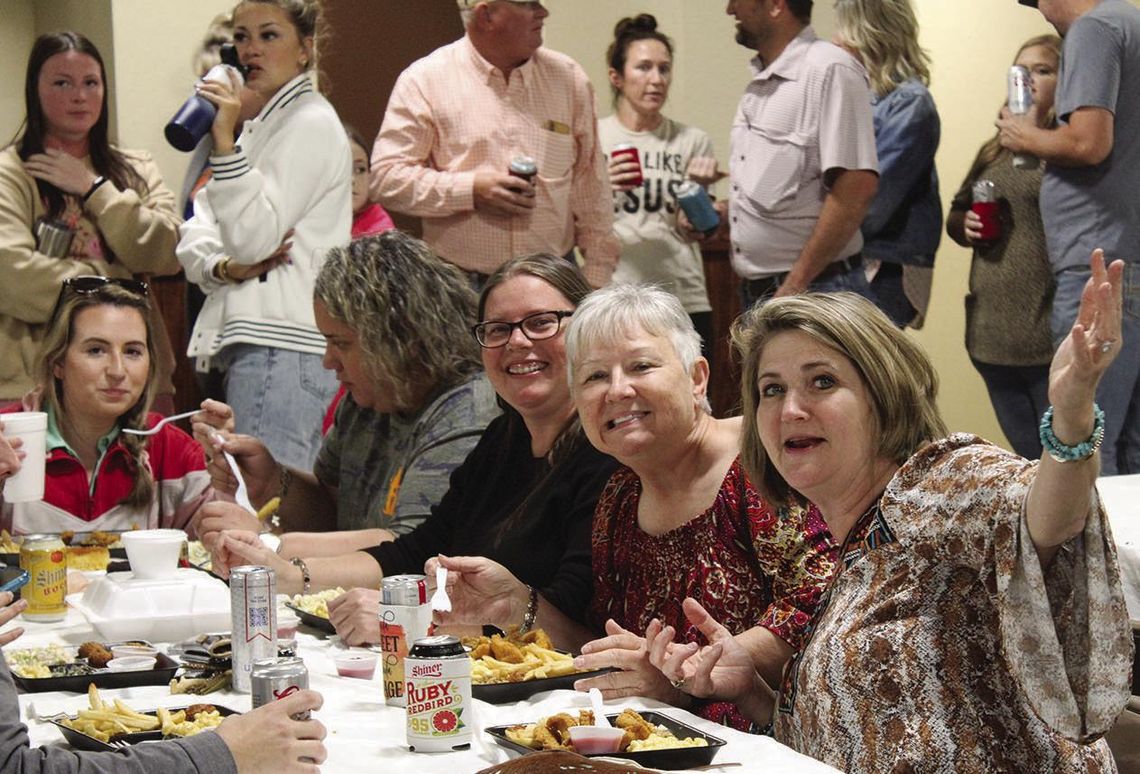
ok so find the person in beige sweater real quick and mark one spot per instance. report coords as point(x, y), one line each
point(63, 169)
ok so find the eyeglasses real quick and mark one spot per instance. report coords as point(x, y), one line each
point(536, 327)
point(88, 284)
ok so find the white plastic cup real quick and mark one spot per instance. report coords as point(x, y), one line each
point(31, 428)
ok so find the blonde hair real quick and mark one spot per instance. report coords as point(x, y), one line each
point(901, 382)
point(885, 33)
point(53, 349)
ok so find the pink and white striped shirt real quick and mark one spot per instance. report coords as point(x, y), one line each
point(453, 113)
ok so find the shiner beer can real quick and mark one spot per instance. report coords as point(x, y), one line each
point(439, 712)
point(44, 558)
point(253, 613)
point(272, 679)
point(627, 152)
point(405, 616)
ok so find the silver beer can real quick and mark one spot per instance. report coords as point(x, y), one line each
point(405, 616)
point(1020, 100)
point(253, 615)
point(272, 679)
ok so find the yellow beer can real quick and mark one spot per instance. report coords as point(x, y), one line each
point(44, 558)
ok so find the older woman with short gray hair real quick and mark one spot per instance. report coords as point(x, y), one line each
point(680, 518)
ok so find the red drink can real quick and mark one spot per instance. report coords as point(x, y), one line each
point(627, 152)
point(987, 208)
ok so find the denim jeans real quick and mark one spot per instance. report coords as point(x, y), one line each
point(1020, 395)
point(279, 396)
point(1119, 390)
point(854, 281)
point(888, 294)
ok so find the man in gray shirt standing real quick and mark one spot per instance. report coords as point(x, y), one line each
point(1088, 195)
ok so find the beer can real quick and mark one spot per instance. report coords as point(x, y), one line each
point(987, 208)
point(627, 152)
point(524, 167)
point(44, 558)
point(698, 207)
point(405, 616)
point(272, 679)
point(440, 714)
point(253, 613)
point(1020, 100)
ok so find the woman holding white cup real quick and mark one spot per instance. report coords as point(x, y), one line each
point(96, 378)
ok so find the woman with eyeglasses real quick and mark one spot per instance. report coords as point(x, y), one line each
point(72, 203)
point(279, 198)
point(525, 495)
point(96, 378)
point(679, 518)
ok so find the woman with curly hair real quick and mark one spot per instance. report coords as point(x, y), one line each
point(394, 317)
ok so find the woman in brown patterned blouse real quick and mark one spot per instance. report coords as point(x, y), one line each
point(976, 620)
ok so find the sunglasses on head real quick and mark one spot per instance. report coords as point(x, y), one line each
point(88, 284)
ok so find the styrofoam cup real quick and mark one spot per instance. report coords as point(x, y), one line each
point(30, 427)
point(153, 553)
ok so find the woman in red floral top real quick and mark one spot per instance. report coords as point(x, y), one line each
point(681, 519)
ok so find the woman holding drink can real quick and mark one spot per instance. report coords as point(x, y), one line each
point(1011, 281)
point(651, 156)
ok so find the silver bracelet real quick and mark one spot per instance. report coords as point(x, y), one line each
point(531, 611)
point(306, 579)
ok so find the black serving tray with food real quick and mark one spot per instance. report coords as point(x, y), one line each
point(505, 693)
point(81, 741)
point(77, 680)
point(309, 619)
point(83, 539)
point(675, 758)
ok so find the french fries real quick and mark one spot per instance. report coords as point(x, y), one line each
point(103, 721)
point(499, 660)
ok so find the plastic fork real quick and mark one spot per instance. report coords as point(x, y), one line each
point(164, 421)
point(241, 496)
point(439, 600)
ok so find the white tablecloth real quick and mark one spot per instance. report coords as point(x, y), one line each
point(364, 733)
point(1121, 497)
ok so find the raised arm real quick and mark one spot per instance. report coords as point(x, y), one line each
point(1059, 499)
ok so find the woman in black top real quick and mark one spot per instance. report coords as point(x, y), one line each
point(524, 497)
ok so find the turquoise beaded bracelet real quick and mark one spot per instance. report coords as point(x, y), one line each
point(1063, 452)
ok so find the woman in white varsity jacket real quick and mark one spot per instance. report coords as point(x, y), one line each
point(279, 199)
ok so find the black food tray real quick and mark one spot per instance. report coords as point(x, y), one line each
point(315, 621)
point(505, 693)
point(163, 673)
point(677, 758)
point(81, 741)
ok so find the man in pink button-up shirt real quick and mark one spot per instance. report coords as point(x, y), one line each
point(456, 119)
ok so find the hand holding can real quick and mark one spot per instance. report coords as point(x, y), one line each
point(988, 210)
point(625, 167)
point(524, 168)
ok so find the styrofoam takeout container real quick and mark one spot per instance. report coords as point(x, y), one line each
point(120, 606)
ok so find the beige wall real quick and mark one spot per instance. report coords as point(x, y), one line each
point(16, 35)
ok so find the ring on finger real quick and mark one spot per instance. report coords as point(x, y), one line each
point(1106, 345)
point(678, 683)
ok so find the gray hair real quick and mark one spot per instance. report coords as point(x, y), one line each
point(411, 310)
point(614, 312)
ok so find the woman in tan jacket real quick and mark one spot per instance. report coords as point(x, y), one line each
point(63, 170)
